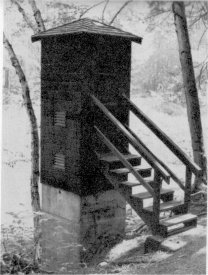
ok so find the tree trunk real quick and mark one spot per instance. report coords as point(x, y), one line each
point(192, 100)
point(37, 15)
point(25, 16)
point(33, 124)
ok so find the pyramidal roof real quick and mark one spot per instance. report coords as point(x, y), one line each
point(86, 25)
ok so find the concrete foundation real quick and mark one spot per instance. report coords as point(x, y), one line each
point(93, 222)
point(59, 243)
point(61, 203)
point(170, 244)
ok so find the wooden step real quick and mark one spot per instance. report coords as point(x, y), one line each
point(178, 228)
point(164, 197)
point(115, 163)
point(177, 224)
point(178, 219)
point(130, 183)
point(147, 195)
point(181, 229)
point(111, 158)
point(165, 206)
point(150, 181)
point(144, 172)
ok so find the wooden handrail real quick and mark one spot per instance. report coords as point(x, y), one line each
point(131, 139)
point(163, 137)
point(124, 161)
point(173, 175)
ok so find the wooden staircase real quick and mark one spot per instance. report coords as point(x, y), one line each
point(150, 173)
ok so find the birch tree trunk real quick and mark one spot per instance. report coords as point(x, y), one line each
point(37, 16)
point(33, 125)
point(34, 181)
point(191, 94)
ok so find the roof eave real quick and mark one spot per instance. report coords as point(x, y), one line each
point(35, 38)
point(137, 40)
point(38, 37)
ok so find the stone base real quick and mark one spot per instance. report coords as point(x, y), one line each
point(98, 220)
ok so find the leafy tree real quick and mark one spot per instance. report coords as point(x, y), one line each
point(161, 72)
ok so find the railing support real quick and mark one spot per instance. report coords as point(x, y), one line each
point(156, 201)
point(187, 197)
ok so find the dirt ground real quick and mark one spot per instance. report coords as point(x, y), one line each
point(190, 259)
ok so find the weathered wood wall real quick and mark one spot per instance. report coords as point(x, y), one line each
point(72, 67)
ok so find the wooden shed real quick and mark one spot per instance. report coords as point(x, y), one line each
point(77, 59)
point(85, 135)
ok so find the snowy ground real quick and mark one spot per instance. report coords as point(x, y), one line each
point(171, 118)
point(15, 188)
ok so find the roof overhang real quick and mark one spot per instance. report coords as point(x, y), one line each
point(87, 26)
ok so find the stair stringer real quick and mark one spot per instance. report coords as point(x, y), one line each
point(147, 217)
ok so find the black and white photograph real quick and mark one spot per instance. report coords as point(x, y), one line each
point(104, 129)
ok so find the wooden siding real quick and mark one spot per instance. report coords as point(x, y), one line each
point(72, 67)
point(59, 140)
point(113, 79)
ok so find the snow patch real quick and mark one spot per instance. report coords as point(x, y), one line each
point(124, 247)
point(197, 231)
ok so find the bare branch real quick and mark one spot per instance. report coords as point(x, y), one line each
point(158, 13)
point(192, 7)
point(201, 72)
point(107, 1)
point(201, 38)
point(97, 4)
point(203, 69)
point(200, 17)
point(205, 61)
point(37, 15)
point(119, 11)
point(25, 16)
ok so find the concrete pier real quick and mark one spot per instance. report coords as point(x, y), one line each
point(77, 227)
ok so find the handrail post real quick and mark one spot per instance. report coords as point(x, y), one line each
point(187, 195)
point(156, 201)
